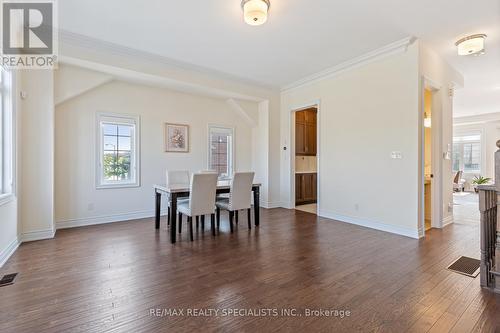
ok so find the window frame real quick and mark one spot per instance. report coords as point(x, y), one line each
point(461, 143)
point(7, 136)
point(231, 159)
point(135, 163)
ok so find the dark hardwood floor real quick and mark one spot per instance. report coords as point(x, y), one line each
point(109, 278)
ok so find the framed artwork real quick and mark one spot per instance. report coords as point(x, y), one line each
point(176, 138)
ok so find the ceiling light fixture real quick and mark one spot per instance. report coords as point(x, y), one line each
point(255, 11)
point(469, 45)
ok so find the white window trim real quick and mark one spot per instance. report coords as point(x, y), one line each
point(8, 131)
point(136, 145)
point(232, 148)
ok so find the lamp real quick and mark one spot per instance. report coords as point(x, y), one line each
point(473, 44)
point(255, 11)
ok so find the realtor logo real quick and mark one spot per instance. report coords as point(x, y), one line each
point(29, 34)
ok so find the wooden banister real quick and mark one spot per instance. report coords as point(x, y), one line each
point(489, 196)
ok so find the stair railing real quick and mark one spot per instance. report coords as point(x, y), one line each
point(489, 197)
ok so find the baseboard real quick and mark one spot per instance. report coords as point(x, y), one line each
point(9, 250)
point(86, 221)
point(270, 205)
point(421, 232)
point(403, 231)
point(447, 221)
point(37, 235)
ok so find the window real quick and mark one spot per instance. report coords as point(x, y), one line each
point(118, 160)
point(6, 136)
point(220, 150)
point(467, 153)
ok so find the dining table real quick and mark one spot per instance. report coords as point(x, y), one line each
point(176, 191)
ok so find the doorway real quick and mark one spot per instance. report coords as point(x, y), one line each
point(431, 158)
point(306, 160)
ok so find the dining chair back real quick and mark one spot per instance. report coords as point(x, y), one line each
point(177, 177)
point(202, 193)
point(240, 196)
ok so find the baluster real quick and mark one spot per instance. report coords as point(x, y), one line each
point(483, 208)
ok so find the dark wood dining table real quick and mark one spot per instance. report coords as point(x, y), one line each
point(176, 191)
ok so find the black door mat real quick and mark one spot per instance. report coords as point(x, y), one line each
point(7, 279)
point(466, 266)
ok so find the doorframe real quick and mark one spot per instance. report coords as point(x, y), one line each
point(291, 125)
point(437, 156)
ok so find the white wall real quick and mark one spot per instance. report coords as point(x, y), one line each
point(78, 201)
point(36, 155)
point(365, 114)
point(73, 81)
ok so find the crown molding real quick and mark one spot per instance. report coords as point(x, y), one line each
point(94, 44)
point(390, 49)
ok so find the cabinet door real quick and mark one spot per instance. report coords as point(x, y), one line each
point(310, 144)
point(300, 138)
point(311, 116)
point(315, 187)
point(308, 187)
point(299, 189)
point(300, 116)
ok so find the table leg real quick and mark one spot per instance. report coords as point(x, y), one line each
point(157, 209)
point(256, 204)
point(173, 215)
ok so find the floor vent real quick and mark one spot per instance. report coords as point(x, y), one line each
point(7, 280)
point(466, 266)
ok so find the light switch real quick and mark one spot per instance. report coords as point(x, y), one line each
point(396, 155)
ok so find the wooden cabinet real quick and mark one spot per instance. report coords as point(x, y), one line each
point(300, 142)
point(306, 133)
point(306, 188)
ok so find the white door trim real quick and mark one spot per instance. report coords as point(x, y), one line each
point(437, 156)
point(317, 104)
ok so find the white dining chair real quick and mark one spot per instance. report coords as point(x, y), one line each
point(201, 200)
point(240, 197)
point(207, 171)
point(176, 177)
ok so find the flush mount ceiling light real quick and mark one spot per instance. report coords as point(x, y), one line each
point(469, 45)
point(255, 11)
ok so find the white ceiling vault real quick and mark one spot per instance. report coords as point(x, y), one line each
point(300, 38)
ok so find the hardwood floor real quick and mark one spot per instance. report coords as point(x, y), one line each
point(109, 278)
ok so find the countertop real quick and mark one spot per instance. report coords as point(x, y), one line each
point(304, 172)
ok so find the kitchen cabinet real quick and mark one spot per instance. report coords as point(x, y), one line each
point(306, 188)
point(306, 133)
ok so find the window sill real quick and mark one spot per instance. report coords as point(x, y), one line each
point(116, 186)
point(6, 198)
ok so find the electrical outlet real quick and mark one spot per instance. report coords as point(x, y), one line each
point(356, 207)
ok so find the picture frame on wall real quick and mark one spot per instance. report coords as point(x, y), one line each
point(176, 138)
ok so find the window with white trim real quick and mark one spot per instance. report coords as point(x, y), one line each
point(467, 153)
point(220, 150)
point(6, 135)
point(118, 151)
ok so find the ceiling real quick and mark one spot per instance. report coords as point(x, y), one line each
point(300, 37)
